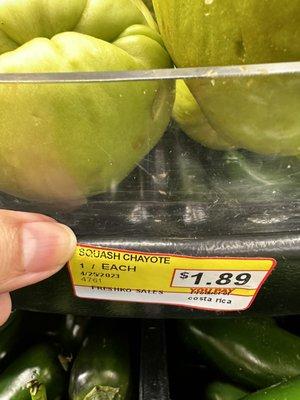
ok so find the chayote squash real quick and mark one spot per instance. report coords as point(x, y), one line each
point(259, 113)
point(188, 114)
point(64, 142)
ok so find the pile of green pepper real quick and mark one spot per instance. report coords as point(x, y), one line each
point(44, 357)
point(248, 358)
point(56, 357)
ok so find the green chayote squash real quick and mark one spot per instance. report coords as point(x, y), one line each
point(188, 114)
point(259, 113)
point(65, 142)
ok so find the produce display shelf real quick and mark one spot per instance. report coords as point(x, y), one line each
point(182, 186)
point(278, 296)
point(183, 198)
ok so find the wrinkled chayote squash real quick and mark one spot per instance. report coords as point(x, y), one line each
point(65, 142)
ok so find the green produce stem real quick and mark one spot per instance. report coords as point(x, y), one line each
point(38, 391)
point(103, 393)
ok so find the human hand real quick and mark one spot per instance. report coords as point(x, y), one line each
point(32, 248)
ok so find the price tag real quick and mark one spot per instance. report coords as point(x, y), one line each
point(217, 284)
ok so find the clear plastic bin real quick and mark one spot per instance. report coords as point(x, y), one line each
point(104, 172)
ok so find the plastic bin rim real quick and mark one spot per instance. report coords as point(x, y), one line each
point(238, 71)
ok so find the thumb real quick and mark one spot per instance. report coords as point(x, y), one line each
point(32, 248)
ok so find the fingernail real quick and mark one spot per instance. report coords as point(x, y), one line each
point(46, 245)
